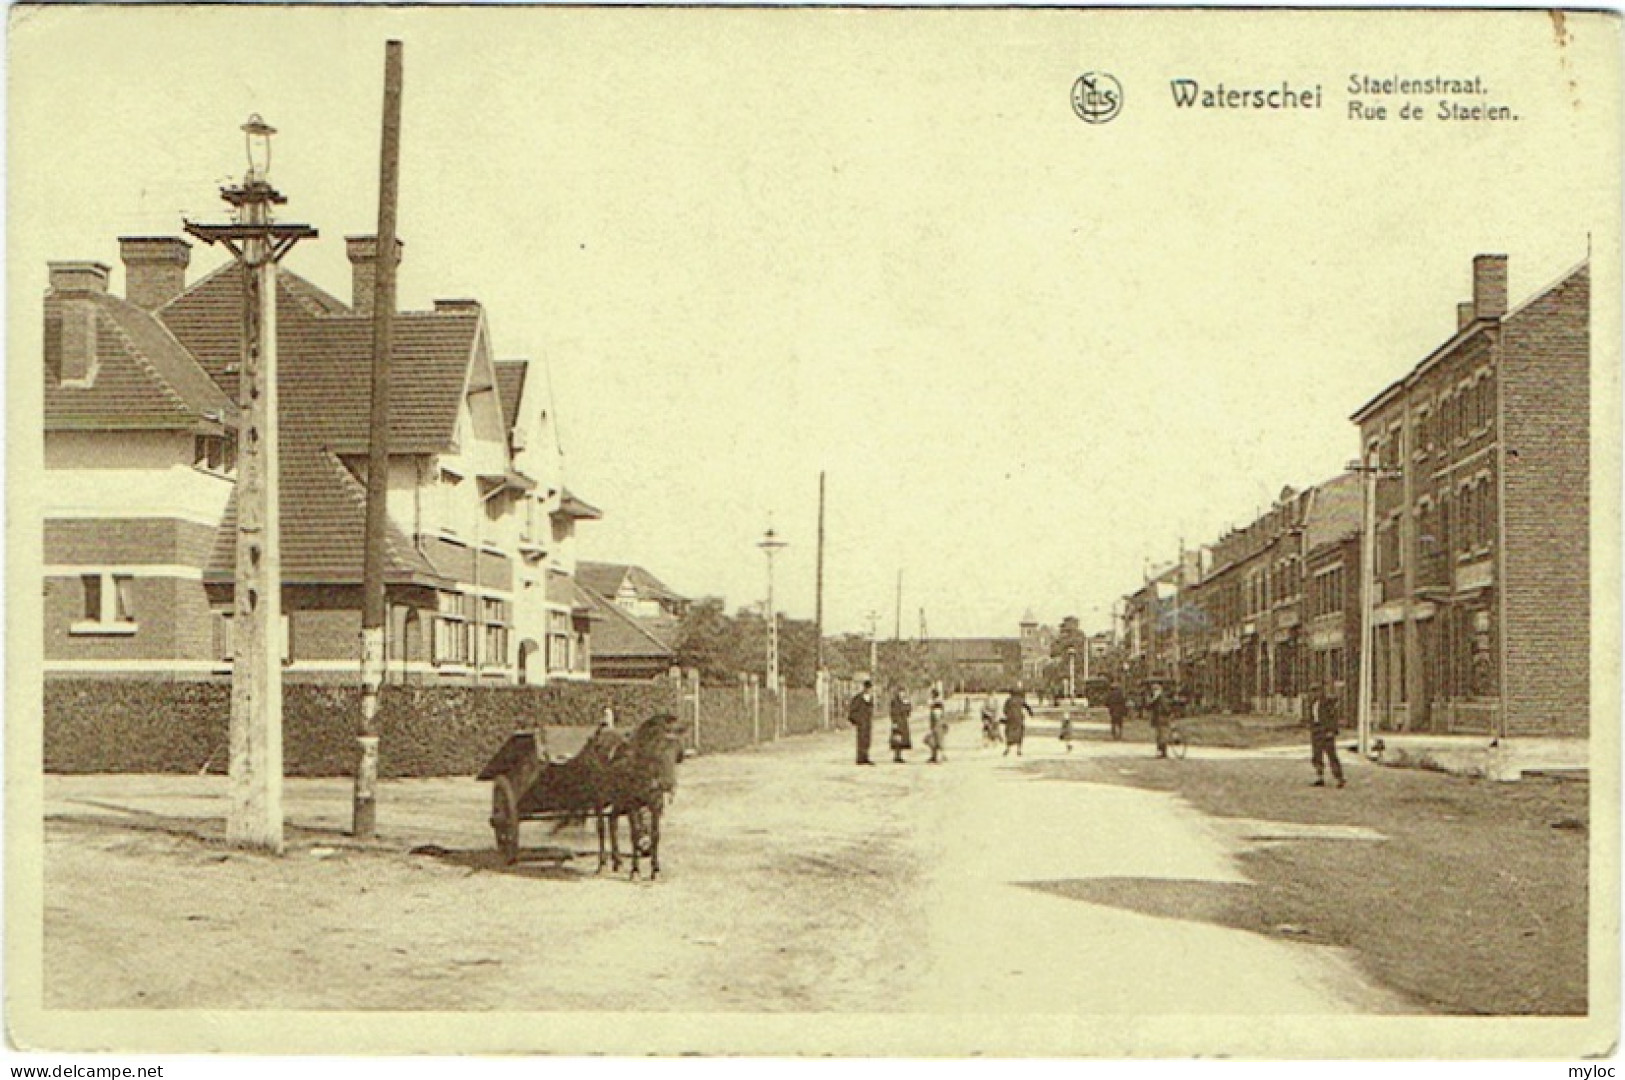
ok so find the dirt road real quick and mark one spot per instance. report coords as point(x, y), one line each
point(794, 881)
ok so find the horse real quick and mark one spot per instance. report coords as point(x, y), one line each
point(640, 778)
point(618, 774)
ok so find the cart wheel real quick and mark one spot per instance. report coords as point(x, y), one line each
point(1177, 744)
point(505, 818)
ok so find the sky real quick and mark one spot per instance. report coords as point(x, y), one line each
point(1031, 356)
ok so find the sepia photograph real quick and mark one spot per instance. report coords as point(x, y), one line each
point(859, 532)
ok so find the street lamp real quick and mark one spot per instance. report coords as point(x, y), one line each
point(1371, 470)
point(254, 815)
point(257, 139)
point(772, 545)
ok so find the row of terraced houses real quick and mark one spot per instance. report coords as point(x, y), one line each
point(1476, 464)
point(140, 445)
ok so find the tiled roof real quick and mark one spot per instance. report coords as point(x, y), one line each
point(324, 513)
point(1335, 511)
point(144, 378)
point(606, 578)
point(617, 634)
point(325, 357)
point(510, 388)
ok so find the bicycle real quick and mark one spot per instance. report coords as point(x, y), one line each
point(1175, 740)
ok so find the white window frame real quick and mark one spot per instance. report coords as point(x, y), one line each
point(114, 614)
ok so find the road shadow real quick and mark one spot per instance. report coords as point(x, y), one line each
point(544, 863)
point(211, 829)
point(1236, 905)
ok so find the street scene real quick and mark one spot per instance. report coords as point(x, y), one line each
point(803, 514)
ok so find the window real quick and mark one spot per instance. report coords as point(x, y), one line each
point(449, 500)
point(558, 641)
point(453, 632)
point(215, 454)
point(107, 607)
point(494, 632)
point(225, 641)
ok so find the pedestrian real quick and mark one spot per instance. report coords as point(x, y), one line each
point(1323, 725)
point(1066, 729)
point(861, 715)
point(606, 720)
point(1157, 706)
point(990, 722)
point(1116, 709)
point(936, 740)
point(1016, 711)
point(901, 708)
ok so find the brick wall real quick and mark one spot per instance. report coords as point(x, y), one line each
point(171, 617)
point(1545, 379)
point(104, 542)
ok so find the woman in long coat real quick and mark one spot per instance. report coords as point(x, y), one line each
point(1016, 711)
point(900, 710)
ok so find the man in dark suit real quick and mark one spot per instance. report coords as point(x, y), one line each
point(861, 715)
point(1323, 725)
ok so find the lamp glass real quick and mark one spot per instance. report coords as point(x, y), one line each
point(257, 137)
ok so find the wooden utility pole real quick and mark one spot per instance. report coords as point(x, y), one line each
point(254, 813)
point(373, 612)
point(818, 602)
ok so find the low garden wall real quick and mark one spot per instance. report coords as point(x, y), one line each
point(116, 725)
point(139, 726)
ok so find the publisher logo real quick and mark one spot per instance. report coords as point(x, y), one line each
point(1097, 97)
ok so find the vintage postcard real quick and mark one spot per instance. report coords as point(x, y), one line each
point(830, 531)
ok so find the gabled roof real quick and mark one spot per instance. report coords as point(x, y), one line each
point(606, 579)
point(145, 379)
point(1335, 509)
point(324, 357)
point(510, 388)
point(617, 634)
point(324, 353)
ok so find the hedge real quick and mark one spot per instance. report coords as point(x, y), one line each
point(115, 725)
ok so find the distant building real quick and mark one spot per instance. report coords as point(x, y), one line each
point(977, 665)
point(1036, 641)
point(1158, 622)
point(1331, 589)
point(1482, 614)
point(637, 617)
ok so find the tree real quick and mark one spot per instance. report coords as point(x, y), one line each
point(705, 640)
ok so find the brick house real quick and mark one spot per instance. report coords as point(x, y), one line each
point(140, 459)
point(1481, 618)
point(1331, 588)
point(636, 620)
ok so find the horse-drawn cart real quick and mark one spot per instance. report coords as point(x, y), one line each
point(615, 774)
point(517, 797)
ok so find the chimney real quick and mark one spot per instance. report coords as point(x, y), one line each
point(363, 252)
point(1490, 286)
point(154, 269)
point(79, 278)
point(70, 321)
point(1466, 313)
